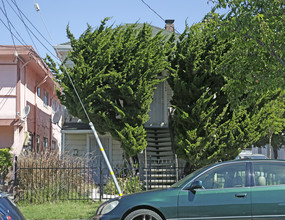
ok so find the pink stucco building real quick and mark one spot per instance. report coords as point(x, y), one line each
point(28, 102)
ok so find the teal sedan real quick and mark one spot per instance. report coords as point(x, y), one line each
point(240, 189)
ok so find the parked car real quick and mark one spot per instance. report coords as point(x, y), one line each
point(8, 209)
point(238, 189)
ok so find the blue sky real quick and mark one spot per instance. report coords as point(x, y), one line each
point(54, 16)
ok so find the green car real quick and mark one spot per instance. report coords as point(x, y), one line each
point(239, 189)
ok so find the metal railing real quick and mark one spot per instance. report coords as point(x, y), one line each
point(38, 182)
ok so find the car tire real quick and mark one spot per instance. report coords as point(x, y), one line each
point(145, 214)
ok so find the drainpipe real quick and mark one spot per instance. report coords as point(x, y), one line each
point(51, 122)
point(35, 109)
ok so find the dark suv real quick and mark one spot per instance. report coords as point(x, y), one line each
point(8, 209)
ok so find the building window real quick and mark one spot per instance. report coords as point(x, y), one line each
point(53, 105)
point(38, 144)
point(39, 92)
point(45, 98)
point(53, 145)
point(45, 143)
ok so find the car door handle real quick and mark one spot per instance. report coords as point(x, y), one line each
point(241, 195)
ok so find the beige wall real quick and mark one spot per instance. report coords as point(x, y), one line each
point(6, 136)
point(82, 143)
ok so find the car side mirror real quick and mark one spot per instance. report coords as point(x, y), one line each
point(195, 185)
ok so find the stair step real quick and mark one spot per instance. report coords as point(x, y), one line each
point(160, 153)
point(159, 140)
point(157, 130)
point(161, 177)
point(158, 166)
point(158, 144)
point(160, 135)
point(160, 149)
point(160, 181)
point(159, 186)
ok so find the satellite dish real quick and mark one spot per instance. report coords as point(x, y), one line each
point(56, 117)
point(25, 112)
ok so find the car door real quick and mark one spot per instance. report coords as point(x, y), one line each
point(268, 191)
point(225, 194)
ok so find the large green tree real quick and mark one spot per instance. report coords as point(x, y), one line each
point(206, 126)
point(115, 71)
point(256, 62)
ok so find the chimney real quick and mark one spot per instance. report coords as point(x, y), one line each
point(169, 25)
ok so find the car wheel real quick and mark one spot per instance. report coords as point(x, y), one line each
point(143, 214)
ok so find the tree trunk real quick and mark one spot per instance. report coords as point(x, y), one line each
point(275, 152)
point(269, 143)
point(132, 166)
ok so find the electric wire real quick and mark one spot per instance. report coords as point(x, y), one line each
point(22, 41)
point(156, 13)
point(23, 21)
point(39, 11)
point(21, 18)
point(152, 10)
point(8, 21)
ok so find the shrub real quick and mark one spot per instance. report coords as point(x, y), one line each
point(5, 163)
point(46, 177)
point(127, 184)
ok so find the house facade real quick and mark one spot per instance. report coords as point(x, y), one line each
point(28, 102)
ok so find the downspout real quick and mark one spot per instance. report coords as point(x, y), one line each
point(35, 109)
point(51, 122)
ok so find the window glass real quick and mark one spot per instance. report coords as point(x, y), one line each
point(39, 92)
point(225, 176)
point(45, 143)
point(269, 174)
point(53, 145)
point(53, 105)
point(38, 144)
point(45, 98)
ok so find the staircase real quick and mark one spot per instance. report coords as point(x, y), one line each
point(159, 167)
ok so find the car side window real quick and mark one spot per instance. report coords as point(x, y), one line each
point(269, 174)
point(226, 176)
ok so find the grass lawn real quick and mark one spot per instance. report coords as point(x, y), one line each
point(59, 210)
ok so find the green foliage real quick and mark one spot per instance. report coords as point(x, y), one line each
point(115, 70)
point(5, 162)
point(206, 126)
point(127, 184)
point(255, 62)
point(272, 121)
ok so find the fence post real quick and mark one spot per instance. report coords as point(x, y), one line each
point(150, 163)
point(176, 167)
point(15, 169)
point(101, 182)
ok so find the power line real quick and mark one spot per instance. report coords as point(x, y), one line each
point(8, 21)
point(23, 41)
point(156, 13)
point(23, 21)
point(37, 7)
point(12, 32)
point(152, 10)
point(21, 18)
